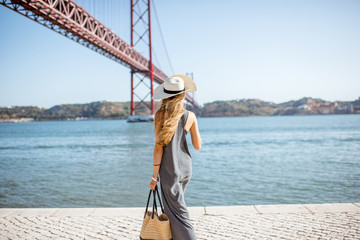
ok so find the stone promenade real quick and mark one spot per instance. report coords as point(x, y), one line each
point(289, 221)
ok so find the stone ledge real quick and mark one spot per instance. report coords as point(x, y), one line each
point(194, 211)
point(333, 207)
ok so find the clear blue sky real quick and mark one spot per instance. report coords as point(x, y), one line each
point(272, 50)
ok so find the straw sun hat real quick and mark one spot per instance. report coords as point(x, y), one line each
point(174, 85)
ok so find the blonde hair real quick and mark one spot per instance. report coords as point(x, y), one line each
point(165, 128)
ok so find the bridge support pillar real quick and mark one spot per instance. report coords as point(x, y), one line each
point(140, 28)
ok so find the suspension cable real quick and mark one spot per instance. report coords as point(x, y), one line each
point(162, 37)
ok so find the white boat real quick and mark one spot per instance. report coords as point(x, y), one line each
point(140, 118)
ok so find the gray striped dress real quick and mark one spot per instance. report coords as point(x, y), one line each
point(175, 173)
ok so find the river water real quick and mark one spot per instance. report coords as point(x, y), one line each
point(243, 160)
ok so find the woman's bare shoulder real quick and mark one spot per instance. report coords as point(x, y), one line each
point(191, 115)
point(189, 120)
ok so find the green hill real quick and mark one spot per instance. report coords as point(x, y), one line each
point(243, 107)
point(121, 110)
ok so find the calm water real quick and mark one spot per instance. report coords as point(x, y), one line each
point(243, 160)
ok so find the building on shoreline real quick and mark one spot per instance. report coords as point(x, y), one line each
point(326, 108)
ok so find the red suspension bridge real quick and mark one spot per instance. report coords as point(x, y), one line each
point(73, 21)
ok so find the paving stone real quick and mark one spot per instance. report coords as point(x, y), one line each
point(235, 222)
point(32, 212)
point(284, 208)
point(118, 212)
point(6, 211)
point(230, 210)
point(332, 207)
point(74, 212)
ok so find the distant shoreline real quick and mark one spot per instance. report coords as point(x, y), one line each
point(103, 110)
point(17, 120)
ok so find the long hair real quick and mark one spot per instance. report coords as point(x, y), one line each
point(165, 126)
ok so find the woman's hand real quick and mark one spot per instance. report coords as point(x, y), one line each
point(153, 184)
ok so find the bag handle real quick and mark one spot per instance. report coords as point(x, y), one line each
point(147, 204)
point(155, 192)
point(154, 203)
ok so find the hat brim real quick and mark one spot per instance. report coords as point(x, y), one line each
point(189, 86)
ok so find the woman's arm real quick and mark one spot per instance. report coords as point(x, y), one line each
point(194, 131)
point(157, 156)
point(158, 152)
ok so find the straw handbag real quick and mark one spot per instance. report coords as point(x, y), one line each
point(155, 227)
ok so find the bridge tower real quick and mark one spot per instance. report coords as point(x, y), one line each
point(140, 32)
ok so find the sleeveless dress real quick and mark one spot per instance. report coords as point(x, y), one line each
point(174, 174)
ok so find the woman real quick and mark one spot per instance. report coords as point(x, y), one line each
point(172, 158)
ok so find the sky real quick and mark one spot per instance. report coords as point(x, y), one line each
point(275, 51)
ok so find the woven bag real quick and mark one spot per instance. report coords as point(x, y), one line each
point(154, 226)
